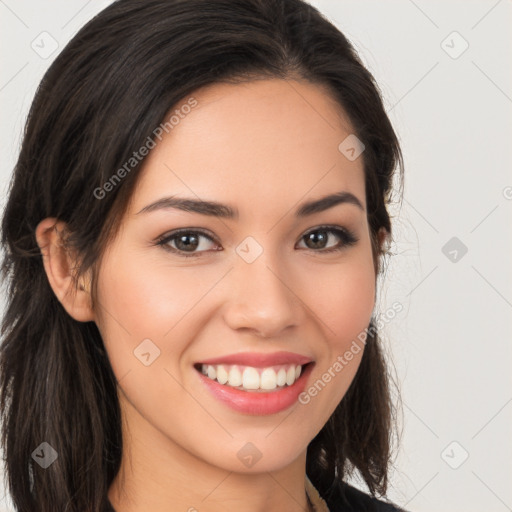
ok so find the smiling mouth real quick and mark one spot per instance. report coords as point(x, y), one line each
point(250, 378)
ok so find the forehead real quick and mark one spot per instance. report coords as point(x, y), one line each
point(266, 141)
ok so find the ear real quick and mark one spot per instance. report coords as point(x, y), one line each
point(59, 263)
point(383, 238)
point(381, 248)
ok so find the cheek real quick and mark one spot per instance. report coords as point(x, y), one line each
point(344, 301)
point(355, 298)
point(142, 298)
point(139, 301)
point(146, 298)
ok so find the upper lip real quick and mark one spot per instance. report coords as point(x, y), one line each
point(259, 360)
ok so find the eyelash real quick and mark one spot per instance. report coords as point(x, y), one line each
point(347, 237)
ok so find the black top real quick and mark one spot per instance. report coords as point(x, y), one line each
point(350, 499)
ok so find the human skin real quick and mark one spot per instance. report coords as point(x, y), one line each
point(263, 147)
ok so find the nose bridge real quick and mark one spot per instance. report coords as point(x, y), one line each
point(260, 297)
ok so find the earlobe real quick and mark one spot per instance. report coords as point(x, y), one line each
point(59, 263)
point(383, 240)
point(383, 246)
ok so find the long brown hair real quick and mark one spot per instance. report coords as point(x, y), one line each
point(100, 100)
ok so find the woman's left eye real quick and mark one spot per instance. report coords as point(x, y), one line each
point(318, 239)
point(187, 241)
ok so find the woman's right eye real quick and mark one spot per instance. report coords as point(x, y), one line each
point(186, 241)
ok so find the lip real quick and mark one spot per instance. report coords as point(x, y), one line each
point(256, 403)
point(259, 359)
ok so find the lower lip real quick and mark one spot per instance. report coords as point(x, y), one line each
point(260, 403)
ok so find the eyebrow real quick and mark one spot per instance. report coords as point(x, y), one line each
point(215, 209)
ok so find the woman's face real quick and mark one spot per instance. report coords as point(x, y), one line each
point(266, 280)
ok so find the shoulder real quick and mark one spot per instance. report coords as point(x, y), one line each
point(351, 499)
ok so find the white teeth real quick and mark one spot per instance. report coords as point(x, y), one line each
point(290, 375)
point(235, 377)
point(249, 378)
point(222, 374)
point(268, 379)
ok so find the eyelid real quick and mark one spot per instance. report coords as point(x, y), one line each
point(178, 231)
point(164, 239)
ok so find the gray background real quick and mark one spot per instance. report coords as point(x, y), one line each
point(451, 108)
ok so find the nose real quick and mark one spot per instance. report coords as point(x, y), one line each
point(261, 298)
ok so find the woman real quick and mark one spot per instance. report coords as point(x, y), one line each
point(193, 234)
